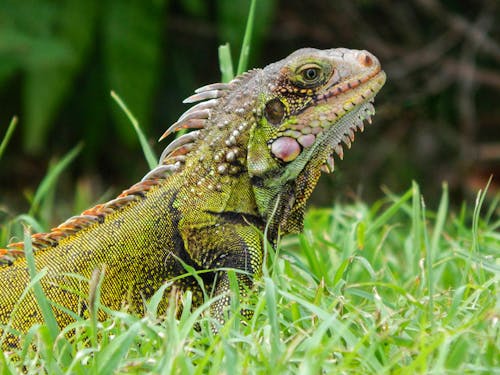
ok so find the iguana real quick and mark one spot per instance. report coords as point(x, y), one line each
point(256, 150)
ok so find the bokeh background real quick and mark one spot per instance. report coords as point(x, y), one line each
point(438, 117)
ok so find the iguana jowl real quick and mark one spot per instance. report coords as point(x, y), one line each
point(257, 151)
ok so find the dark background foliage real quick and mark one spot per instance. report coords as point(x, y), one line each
point(438, 118)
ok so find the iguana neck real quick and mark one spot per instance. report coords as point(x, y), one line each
point(215, 168)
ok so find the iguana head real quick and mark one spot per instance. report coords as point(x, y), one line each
point(312, 101)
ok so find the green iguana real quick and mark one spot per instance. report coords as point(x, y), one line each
point(259, 146)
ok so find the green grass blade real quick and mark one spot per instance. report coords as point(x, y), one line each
point(475, 248)
point(481, 195)
point(271, 303)
point(149, 154)
point(416, 221)
point(52, 175)
point(30, 221)
point(154, 301)
point(391, 211)
point(245, 48)
point(479, 261)
point(226, 63)
point(428, 267)
point(8, 135)
point(43, 303)
point(314, 262)
point(6, 367)
point(440, 219)
point(95, 284)
point(110, 357)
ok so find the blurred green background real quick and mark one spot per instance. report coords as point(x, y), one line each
point(438, 118)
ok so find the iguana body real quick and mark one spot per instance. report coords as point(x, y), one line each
point(256, 154)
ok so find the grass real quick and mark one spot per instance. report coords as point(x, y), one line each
point(8, 135)
point(352, 294)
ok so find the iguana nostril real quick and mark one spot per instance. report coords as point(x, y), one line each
point(365, 59)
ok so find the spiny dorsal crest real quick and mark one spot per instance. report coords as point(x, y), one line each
point(197, 117)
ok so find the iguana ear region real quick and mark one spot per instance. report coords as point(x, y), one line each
point(275, 111)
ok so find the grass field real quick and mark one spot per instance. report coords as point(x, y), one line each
point(394, 287)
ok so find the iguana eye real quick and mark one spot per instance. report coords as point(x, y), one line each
point(274, 111)
point(310, 74)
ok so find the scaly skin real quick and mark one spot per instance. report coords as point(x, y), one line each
point(258, 151)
